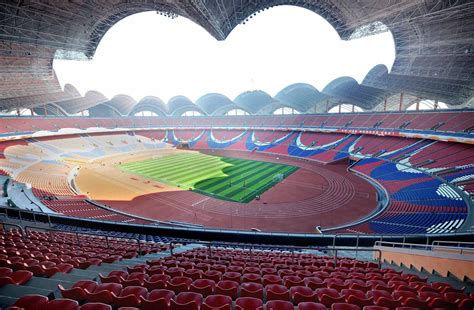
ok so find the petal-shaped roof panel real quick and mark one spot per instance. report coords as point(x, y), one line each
point(300, 96)
point(76, 105)
point(122, 103)
point(150, 103)
point(253, 101)
point(180, 104)
point(71, 90)
point(215, 103)
point(347, 89)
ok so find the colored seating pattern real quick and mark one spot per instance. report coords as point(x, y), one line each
point(427, 206)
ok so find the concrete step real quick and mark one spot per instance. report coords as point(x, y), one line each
point(6, 301)
point(17, 291)
point(48, 283)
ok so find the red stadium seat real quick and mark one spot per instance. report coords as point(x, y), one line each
point(205, 287)
point(290, 281)
point(302, 294)
point(130, 296)
point(279, 305)
point(156, 281)
point(157, 299)
point(61, 304)
point(95, 306)
point(314, 283)
point(217, 302)
point(179, 284)
point(277, 292)
point(16, 278)
point(31, 302)
point(271, 279)
point(248, 303)
point(186, 301)
point(214, 275)
point(250, 289)
point(311, 306)
point(344, 306)
point(194, 274)
point(103, 293)
point(232, 276)
point(251, 277)
point(76, 292)
point(227, 288)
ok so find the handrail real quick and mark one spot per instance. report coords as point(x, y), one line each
point(418, 246)
point(459, 243)
point(50, 230)
point(14, 225)
point(292, 248)
point(218, 234)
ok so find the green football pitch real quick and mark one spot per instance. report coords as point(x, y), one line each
point(220, 177)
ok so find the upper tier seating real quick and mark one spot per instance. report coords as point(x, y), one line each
point(453, 121)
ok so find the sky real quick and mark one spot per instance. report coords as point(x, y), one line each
point(148, 54)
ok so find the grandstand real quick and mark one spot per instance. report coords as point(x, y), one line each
point(368, 208)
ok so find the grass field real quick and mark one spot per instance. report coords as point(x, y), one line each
point(220, 177)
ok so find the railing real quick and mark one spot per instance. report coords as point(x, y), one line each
point(292, 249)
point(457, 243)
point(4, 226)
point(426, 247)
point(51, 230)
point(226, 235)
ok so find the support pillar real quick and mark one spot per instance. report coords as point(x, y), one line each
point(385, 104)
point(400, 107)
point(418, 104)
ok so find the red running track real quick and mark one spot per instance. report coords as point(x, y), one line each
point(324, 195)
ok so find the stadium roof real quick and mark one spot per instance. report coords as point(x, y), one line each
point(433, 39)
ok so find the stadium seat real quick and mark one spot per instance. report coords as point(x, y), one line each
point(18, 277)
point(95, 306)
point(157, 299)
point(279, 305)
point(251, 289)
point(271, 279)
point(130, 296)
point(277, 292)
point(344, 306)
point(214, 275)
point(227, 288)
point(156, 281)
point(194, 274)
point(217, 302)
point(61, 304)
point(203, 286)
point(103, 293)
point(302, 294)
point(232, 276)
point(311, 306)
point(31, 302)
point(314, 283)
point(77, 291)
point(179, 284)
point(248, 303)
point(186, 301)
point(251, 277)
point(290, 281)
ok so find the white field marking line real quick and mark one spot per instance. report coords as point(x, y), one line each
point(200, 201)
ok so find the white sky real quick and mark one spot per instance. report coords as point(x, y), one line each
point(149, 54)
